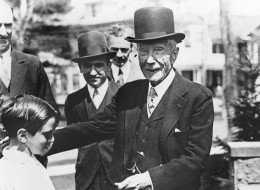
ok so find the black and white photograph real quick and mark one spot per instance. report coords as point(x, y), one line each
point(129, 95)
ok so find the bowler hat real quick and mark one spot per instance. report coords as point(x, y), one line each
point(153, 23)
point(91, 45)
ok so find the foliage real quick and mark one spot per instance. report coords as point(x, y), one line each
point(216, 175)
point(28, 13)
point(246, 107)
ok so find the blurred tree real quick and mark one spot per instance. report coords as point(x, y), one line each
point(230, 50)
point(246, 107)
point(30, 12)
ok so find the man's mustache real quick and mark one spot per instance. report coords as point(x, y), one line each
point(120, 59)
point(157, 61)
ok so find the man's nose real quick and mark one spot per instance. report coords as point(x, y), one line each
point(3, 31)
point(150, 59)
point(119, 53)
point(93, 70)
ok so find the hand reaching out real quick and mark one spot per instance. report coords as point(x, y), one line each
point(136, 182)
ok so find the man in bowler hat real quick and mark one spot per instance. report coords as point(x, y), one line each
point(94, 61)
point(162, 125)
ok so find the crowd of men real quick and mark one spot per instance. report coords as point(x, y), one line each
point(136, 126)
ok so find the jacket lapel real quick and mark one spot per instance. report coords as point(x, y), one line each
point(176, 104)
point(18, 72)
point(81, 108)
point(132, 118)
point(108, 96)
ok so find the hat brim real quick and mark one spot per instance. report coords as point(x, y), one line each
point(109, 55)
point(178, 37)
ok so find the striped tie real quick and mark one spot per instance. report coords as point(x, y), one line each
point(152, 96)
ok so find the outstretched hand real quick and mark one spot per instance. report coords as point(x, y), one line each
point(136, 182)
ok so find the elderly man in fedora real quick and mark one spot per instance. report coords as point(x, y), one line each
point(162, 125)
point(94, 61)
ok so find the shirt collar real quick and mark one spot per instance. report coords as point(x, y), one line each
point(164, 85)
point(7, 54)
point(19, 156)
point(125, 68)
point(101, 90)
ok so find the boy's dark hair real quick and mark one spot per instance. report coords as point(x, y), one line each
point(25, 111)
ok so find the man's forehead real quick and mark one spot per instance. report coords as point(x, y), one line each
point(6, 15)
point(118, 42)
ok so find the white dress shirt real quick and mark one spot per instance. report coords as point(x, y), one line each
point(6, 64)
point(160, 90)
point(125, 69)
point(97, 100)
point(19, 171)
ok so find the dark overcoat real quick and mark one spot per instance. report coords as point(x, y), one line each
point(184, 154)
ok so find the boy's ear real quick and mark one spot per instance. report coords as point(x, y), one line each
point(21, 135)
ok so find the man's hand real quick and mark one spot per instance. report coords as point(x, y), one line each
point(135, 182)
point(3, 143)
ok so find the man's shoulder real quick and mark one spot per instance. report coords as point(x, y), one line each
point(197, 87)
point(113, 86)
point(28, 58)
point(77, 96)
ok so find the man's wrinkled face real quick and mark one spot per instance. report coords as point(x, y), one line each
point(156, 59)
point(95, 71)
point(6, 27)
point(122, 47)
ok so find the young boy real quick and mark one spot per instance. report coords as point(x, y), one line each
point(29, 122)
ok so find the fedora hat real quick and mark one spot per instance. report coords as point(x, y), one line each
point(151, 23)
point(91, 45)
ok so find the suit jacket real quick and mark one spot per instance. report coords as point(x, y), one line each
point(79, 108)
point(29, 77)
point(184, 154)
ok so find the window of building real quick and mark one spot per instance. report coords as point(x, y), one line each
point(92, 9)
point(217, 48)
point(187, 39)
point(188, 74)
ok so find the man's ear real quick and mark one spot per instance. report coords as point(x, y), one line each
point(21, 135)
point(175, 52)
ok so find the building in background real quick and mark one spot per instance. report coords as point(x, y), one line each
point(201, 54)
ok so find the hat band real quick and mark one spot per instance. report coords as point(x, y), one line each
point(151, 35)
point(92, 50)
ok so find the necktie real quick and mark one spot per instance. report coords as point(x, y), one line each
point(120, 80)
point(95, 93)
point(151, 97)
point(5, 77)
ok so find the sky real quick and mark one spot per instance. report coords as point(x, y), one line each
point(245, 7)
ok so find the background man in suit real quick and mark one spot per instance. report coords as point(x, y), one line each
point(125, 67)
point(20, 73)
point(93, 160)
point(162, 125)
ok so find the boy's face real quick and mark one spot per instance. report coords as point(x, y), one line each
point(42, 141)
